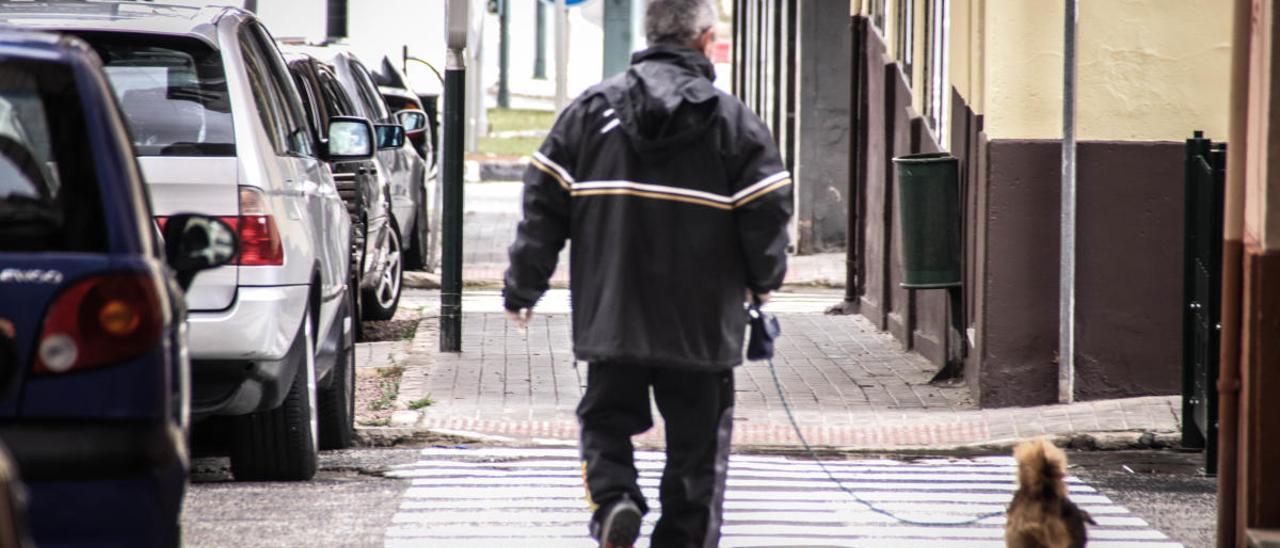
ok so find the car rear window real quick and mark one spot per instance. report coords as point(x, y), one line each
point(49, 198)
point(173, 92)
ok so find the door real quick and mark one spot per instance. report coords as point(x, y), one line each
point(307, 182)
point(330, 226)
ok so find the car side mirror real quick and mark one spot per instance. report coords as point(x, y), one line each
point(413, 120)
point(195, 242)
point(350, 138)
point(390, 136)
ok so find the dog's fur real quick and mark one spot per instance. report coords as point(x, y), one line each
point(1040, 515)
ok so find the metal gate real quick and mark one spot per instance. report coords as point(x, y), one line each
point(1202, 289)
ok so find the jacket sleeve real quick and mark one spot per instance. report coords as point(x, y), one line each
point(762, 205)
point(542, 232)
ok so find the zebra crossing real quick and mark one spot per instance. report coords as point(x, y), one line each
point(461, 497)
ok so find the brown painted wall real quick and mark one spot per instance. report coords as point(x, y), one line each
point(1260, 379)
point(873, 185)
point(900, 115)
point(1128, 271)
point(1020, 316)
point(967, 145)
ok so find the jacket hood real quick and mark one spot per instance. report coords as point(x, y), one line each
point(666, 97)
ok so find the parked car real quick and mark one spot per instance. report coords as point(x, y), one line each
point(218, 128)
point(401, 97)
point(376, 255)
point(405, 170)
point(94, 403)
point(13, 504)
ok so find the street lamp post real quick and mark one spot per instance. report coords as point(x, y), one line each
point(504, 53)
point(457, 23)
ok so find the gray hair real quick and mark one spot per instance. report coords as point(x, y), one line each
point(678, 22)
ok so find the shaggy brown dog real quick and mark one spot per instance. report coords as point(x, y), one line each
point(1040, 515)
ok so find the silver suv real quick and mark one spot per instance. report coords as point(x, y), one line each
point(218, 129)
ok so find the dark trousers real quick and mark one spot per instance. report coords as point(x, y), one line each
point(697, 407)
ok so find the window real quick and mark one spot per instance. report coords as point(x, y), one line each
point(273, 92)
point(875, 10)
point(270, 111)
point(173, 92)
point(297, 138)
point(312, 106)
point(379, 112)
point(335, 95)
point(935, 66)
point(906, 35)
point(49, 197)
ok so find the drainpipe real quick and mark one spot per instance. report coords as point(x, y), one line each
point(1232, 258)
point(1067, 263)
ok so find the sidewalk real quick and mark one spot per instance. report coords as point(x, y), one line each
point(850, 387)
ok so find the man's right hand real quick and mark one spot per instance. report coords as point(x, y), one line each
point(761, 298)
point(520, 318)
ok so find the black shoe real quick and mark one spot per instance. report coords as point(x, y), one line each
point(619, 524)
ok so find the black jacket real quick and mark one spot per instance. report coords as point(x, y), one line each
point(676, 202)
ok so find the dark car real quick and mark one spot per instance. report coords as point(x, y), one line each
point(95, 409)
point(401, 97)
point(404, 170)
point(366, 196)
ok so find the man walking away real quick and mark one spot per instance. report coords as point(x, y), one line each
point(677, 204)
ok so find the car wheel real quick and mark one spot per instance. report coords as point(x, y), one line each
point(280, 444)
point(338, 400)
point(415, 256)
point(380, 301)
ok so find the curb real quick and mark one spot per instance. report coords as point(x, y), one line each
point(421, 280)
point(413, 379)
point(503, 170)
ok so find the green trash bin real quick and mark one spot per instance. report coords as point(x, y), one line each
point(929, 213)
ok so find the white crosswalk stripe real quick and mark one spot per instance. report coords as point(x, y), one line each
point(493, 496)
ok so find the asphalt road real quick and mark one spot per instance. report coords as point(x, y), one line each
point(351, 502)
point(1164, 487)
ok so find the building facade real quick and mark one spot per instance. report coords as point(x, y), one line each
point(983, 80)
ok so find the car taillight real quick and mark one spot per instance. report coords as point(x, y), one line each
point(99, 321)
point(260, 243)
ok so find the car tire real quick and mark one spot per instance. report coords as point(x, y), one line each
point(380, 302)
point(280, 444)
point(415, 256)
point(338, 400)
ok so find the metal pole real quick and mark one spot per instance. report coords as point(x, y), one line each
point(504, 54)
point(455, 77)
point(1067, 272)
point(562, 55)
point(540, 41)
point(1229, 366)
point(617, 36)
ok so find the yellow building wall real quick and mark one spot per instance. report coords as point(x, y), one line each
point(1147, 69)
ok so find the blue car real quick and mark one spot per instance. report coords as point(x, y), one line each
point(94, 380)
